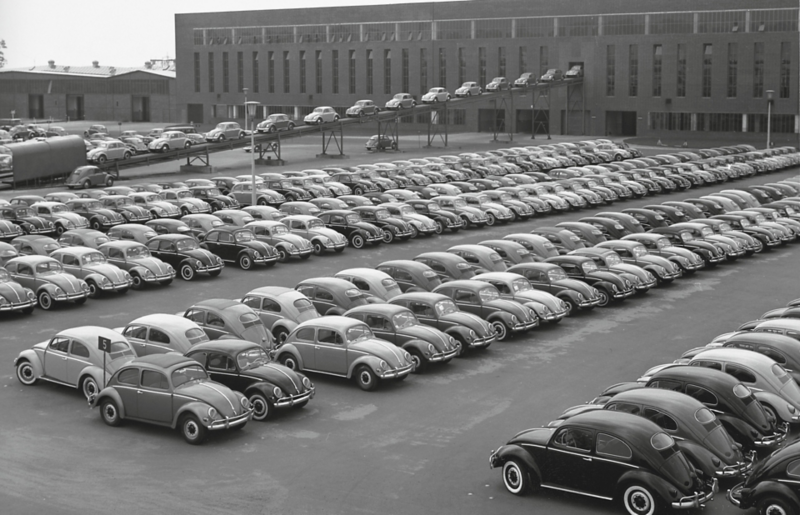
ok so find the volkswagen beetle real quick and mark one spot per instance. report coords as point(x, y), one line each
point(160, 333)
point(608, 260)
point(35, 245)
point(635, 253)
point(185, 255)
point(99, 217)
point(125, 207)
point(47, 279)
point(83, 238)
point(410, 275)
point(610, 286)
point(280, 309)
point(447, 266)
point(14, 296)
point(331, 295)
point(91, 266)
point(313, 229)
point(552, 279)
point(239, 245)
point(60, 215)
point(512, 286)
point(135, 258)
point(773, 485)
point(349, 224)
point(223, 319)
point(374, 283)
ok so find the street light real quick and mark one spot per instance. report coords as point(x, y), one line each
point(251, 113)
point(770, 94)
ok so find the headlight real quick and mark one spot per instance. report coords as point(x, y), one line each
point(197, 263)
point(212, 413)
point(307, 383)
point(382, 365)
point(614, 288)
point(790, 408)
point(256, 254)
point(472, 334)
point(105, 280)
point(84, 287)
point(219, 260)
point(580, 296)
point(245, 403)
point(277, 392)
point(70, 225)
point(193, 208)
point(514, 319)
point(431, 348)
point(532, 312)
point(149, 274)
point(103, 218)
point(408, 356)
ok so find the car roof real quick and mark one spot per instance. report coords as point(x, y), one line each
point(669, 400)
point(327, 281)
point(421, 296)
point(364, 272)
point(468, 284)
point(122, 244)
point(735, 355)
point(164, 319)
point(272, 290)
point(220, 304)
point(632, 428)
point(31, 260)
point(91, 332)
point(167, 360)
point(388, 309)
point(332, 322)
point(80, 251)
point(231, 346)
point(570, 259)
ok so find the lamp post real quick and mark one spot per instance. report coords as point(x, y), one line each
point(770, 94)
point(251, 113)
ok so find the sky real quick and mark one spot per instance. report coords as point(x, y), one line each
point(113, 32)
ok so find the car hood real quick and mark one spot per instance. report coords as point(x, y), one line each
point(259, 246)
point(579, 286)
point(166, 206)
point(610, 277)
point(107, 270)
point(67, 282)
point(199, 203)
point(631, 269)
point(108, 213)
point(382, 349)
point(536, 436)
point(155, 265)
point(429, 334)
point(204, 256)
point(72, 217)
point(329, 233)
point(13, 292)
point(368, 227)
point(136, 210)
point(542, 297)
point(36, 221)
point(474, 322)
point(510, 306)
point(226, 401)
point(296, 240)
point(285, 378)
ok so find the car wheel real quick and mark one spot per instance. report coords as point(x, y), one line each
point(638, 500)
point(86, 184)
point(282, 255)
point(165, 148)
point(245, 262)
point(96, 225)
point(319, 248)
point(191, 430)
point(774, 506)
point(26, 374)
point(262, 408)
point(414, 231)
point(618, 157)
point(394, 145)
point(136, 281)
point(516, 478)
point(45, 301)
point(187, 145)
point(366, 378)
point(109, 182)
point(89, 387)
point(59, 229)
point(187, 272)
point(185, 211)
point(490, 219)
point(290, 362)
point(110, 413)
point(759, 247)
point(101, 159)
point(358, 191)
point(605, 298)
point(291, 126)
point(272, 129)
point(221, 137)
point(501, 330)
point(388, 236)
point(126, 155)
point(439, 227)
point(357, 241)
point(571, 307)
point(514, 216)
point(280, 335)
point(420, 364)
point(93, 289)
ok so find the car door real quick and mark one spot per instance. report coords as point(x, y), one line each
point(330, 352)
point(305, 343)
point(137, 336)
point(77, 360)
point(54, 361)
point(154, 398)
point(468, 301)
point(568, 459)
point(611, 459)
point(128, 389)
point(221, 368)
point(381, 327)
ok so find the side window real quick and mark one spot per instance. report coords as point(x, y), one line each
point(360, 284)
point(24, 270)
point(296, 224)
point(135, 331)
point(306, 290)
point(158, 336)
point(402, 275)
point(378, 322)
point(59, 344)
point(167, 246)
point(306, 334)
point(252, 302)
point(197, 316)
point(661, 419)
point(152, 245)
point(773, 354)
point(793, 469)
point(466, 297)
point(271, 305)
point(610, 446)
point(214, 320)
point(421, 309)
point(80, 350)
point(219, 362)
point(225, 237)
point(129, 376)
point(214, 236)
point(115, 253)
point(574, 438)
point(329, 336)
point(741, 373)
point(707, 364)
point(503, 287)
point(665, 384)
point(68, 260)
point(155, 380)
point(437, 267)
point(633, 409)
point(324, 295)
point(701, 394)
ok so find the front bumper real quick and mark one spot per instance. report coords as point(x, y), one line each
point(623, 294)
point(372, 238)
point(207, 269)
point(288, 402)
point(526, 326)
point(159, 278)
point(395, 373)
point(741, 468)
point(230, 422)
point(775, 439)
point(482, 342)
point(122, 285)
point(71, 296)
point(444, 356)
point(263, 260)
point(14, 306)
point(698, 499)
point(734, 496)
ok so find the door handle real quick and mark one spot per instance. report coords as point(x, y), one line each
point(139, 392)
point(64, 358)
point(316, 347)
point(584, 459)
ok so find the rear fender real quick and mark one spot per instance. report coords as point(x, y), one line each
point(698, 456)
point(96, 373)
point(736, 427)
point(779, 405)
point(31, 357)
point(286, 325)
point(109, 393)
point(659, 486)
point(293, 352)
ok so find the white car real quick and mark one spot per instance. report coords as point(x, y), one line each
point(108, 150)
point(169, 140)
point(435, 95)
point(468, 89)
point(498, 84)
point(225, 130)
point(401, 101)
point(321, 115)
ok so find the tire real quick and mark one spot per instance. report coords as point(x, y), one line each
point(291, 126)
point(101, 159)
point(89, 387)
point(282, 254)
point(245, 261)
point(319, 248)
point(93, 289)
point(357, 241)
point(86, 184)
point(490, 219)
point(109, 181)
point(414, 231)
point(280, 335)
point(571, 307)
point(514, 216)
point(618, 157)
point(126, 156)
point(45, 301)
point(358, 190)
point(191, 430)
point(165, 148)
point(388, 236)
point(290, 362)
point(439, 227)
point(516, 478)
point(26, 374)
point(774, 506)
point(771, 413)
point(637, 499)
point(501, 330)
point(60, 229)
point(394, 145)
point(109, 412)
point(272, 129)
point(185, 211)
point(96, 225)
point(186, 272)
point(261, 202)
point(137, 281)
point(262, 408)
point(605, 298)
point(366, 378)
point(420, 363)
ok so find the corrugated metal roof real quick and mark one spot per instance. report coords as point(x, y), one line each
point(160, 69)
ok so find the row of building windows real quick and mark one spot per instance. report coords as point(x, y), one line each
point(720, 122)
point(732, 82)
point(237, 112)
point(88, 86)
point(706, 22)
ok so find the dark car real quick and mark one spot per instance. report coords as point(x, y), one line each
point(434, 211)
point(88, 176)
point(635, 253)
point(552, 279)
point(447, 266)
point(594, 454)
point(411, 276)
point(398, 325)
point(349, 224)
point(647, 218)
point(588, 233)
point(391, 227)
point(607, 259)
point(185, 255)
point(608, 226)
point(563, 239)
point(214, 198)
point(483, 299)
point(135, 258)
point(280, 309)
point(239, 245)
point(277, 235)
point(471, 216)
point(24, 217)
point(355, 182)
point(610, 286)
point(439, 311)
point(751, 244)
point(767, 237)
point(773, 485)
point(125, 206)
point(275, 122)
point(710, 252)
point(331, 295)
point(99, 217)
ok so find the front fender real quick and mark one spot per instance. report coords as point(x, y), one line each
point(97, 278)
point(49, 288)
point(370, 361)
point(699, 456)
point(142, 271)
point(264, 388)
point(568, 294)
point(765, 489)
point(458, 332)
point(502, 316)
point(507, 452)
point(287, 325)
point(31, 357)
point(109, 393)
point(198, 409)
point(416, 344)
point(656, 483)
point(249, 252)
point(778, 403)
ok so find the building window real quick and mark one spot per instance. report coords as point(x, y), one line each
point(719, 122)
point(255, 72)
point(240, 71)
point(351, 71)
point(523, 60)
point(335, 72)
point(611, 70)
point(482, 66)
point(197, 72)
point(423, 70)
point(405, 85)
point(210, 72)
point(442, 68)
point(369, 72)
point(633, 70)
point(271, 72)
point(286, 69)
point(657, 70)
point(758, 70)
point(544, 62)
point(708, 53)
point(387, 71)
point(783, 85)
point(302, 71)
point(501, 61)
point(733, 69)
point(462, 66)
point(318, 71)
point(225, 72)
point(681, 84)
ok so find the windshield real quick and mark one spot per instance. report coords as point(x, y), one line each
point(556, 275)
point(186, 374)
point(251, 358)
point(434, 207)
point(522, 194)
point(277, 230)
point(358, 333)
point(483, 199)
point(244, 236)
point(407, 210)
point(639, 251)
point(304, 305)
point(663, 243)
point(187, 244)
point(120, 349)
point(315, 224)
point(123, 201)
point(460, 203)
point(382, 214)
point(138, 252)
point(489, 294)
point(661, 441)
point(93, 257)
point(353, 218)
point(780, 373)
point(725, 227)
point(49, 267)
point(405, 319)
point(58, 208)
point(319, 110)
point(687, 237)
point(613, 259)
point(760, 218)
point(446, 307)
point(93, 205)
point(521, 285)
point(742, 391)
point(706, 231)
point(24, 211)
point(218, 223)
point(392, 289)
point(589, 267)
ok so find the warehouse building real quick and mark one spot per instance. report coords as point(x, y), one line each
point(651, 67)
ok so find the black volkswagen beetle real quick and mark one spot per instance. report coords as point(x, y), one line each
point(447, 266)
point(564, 240)
point(551, 278)
point(239, 245)
point(588, 233)
point(410, 275)
point(331, 295)
point(391, 227)
point(185, 255)
point(647, 217)
point(710, 253)
point(610, 286)
point(774, 485)
point(612, 228)
point(245, 367)
point(432, 210)
point(608, 455)
point(349, 224)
